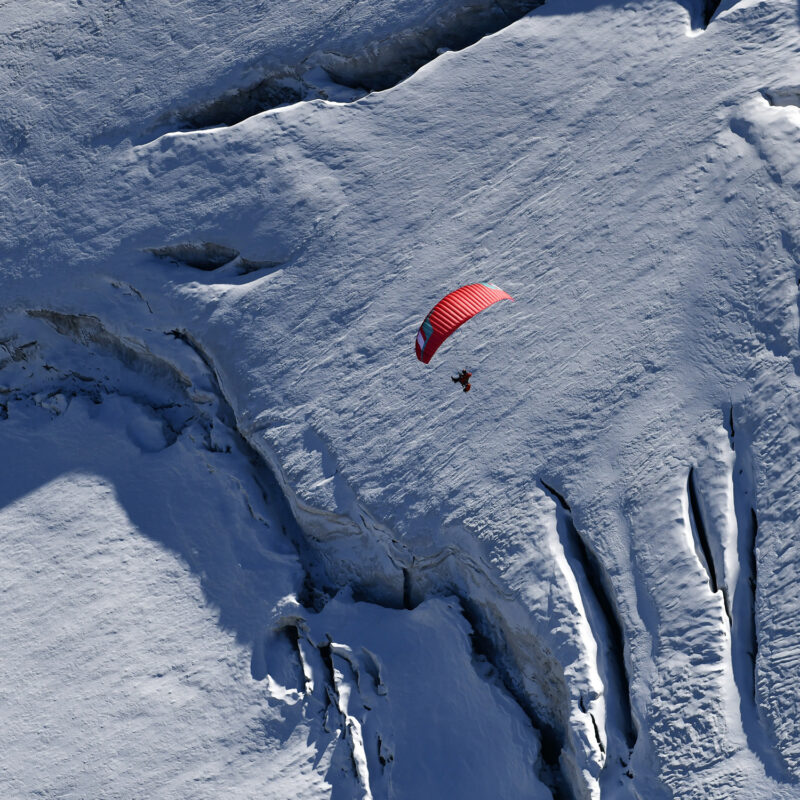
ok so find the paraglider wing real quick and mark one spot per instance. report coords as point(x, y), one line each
point(451, 312)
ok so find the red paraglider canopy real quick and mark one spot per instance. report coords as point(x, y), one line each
point(451, 312)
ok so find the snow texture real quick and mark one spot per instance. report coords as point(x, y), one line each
point(252, 547)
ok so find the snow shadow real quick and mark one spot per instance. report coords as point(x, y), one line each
point(168, 448)
point(343, 75)
point(227, 263)
point(205, 496)
point(701, 12)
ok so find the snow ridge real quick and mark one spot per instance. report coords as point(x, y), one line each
point(699, 534)
point(324, 543)
point(341, 76)
point(619, 736)
point(209, 257)
point(744, 625)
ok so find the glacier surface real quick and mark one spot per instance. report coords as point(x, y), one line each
point(252, 547)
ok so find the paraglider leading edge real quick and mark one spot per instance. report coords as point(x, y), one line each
point(451, 312)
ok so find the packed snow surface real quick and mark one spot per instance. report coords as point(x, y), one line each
point(251, 547)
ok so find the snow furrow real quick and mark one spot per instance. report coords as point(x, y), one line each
point(782, 96)
point(346, 76)
point(209, 256)
point(553, 740)
point(744, 624)
point(606, 626)
point(406, 583)
point(699, 533)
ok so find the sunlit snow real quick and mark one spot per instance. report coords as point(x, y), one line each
point(251, 547)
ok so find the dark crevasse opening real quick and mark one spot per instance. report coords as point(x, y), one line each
point(782, 95)
point(552, 740)
point(709, 9)
point(378, 68)
point(210, 256)
point(701, 12)
point(699, 533)
point(604, 619)
point(375, 66)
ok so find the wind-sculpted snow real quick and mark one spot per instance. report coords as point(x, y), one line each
point(225, 61)
point(603, 617)
point(697, 527)
point(774, 649)
point(783, 96)
point(332, 681)
point(343, 74)
point(631, 180)
point(172, 394)
point(769, 426)
point(208, 257)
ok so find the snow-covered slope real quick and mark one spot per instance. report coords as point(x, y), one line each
point(579, 579)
